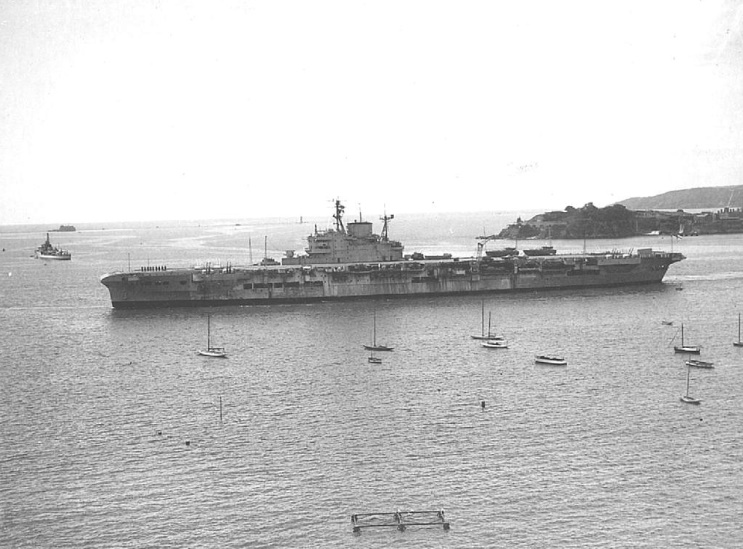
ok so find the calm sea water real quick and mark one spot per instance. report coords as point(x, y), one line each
point(97, 405)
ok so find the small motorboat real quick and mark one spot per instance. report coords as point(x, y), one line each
point(699, 363)
point(552, 360)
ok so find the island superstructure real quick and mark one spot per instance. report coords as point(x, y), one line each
point(349, 261)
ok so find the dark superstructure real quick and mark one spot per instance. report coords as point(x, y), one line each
point(351, 261)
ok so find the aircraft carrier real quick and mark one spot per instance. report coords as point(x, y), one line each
point(349, 261)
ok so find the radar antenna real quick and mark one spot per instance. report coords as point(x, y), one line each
point(386, 218)
point(339, 216)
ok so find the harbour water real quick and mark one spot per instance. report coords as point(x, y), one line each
point(115, 433)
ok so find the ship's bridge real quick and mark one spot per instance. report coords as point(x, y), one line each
point(358, 245)
point(354, 243)
point(360, 229)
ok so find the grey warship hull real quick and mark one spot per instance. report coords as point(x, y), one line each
point(261, 285)
point(351, 262)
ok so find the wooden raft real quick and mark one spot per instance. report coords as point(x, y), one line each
point(398, 519)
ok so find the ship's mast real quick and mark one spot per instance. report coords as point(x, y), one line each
point(339, 216)
point(385, 218)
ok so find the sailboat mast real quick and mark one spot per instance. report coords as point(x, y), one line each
point(374, 330)
point(482, 321)
point(688, 373)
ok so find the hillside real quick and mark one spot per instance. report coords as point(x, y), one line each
point(697, 198)
point(617, 221)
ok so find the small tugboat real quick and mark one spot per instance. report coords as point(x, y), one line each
point(47, 251)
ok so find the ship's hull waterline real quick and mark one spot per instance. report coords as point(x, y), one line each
point(200, 287)
point(56, 257)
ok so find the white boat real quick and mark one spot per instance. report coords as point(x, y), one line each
point(553, 360)
point(699, 363)
point(738, 343)
point(687, 398)
point(684, 348)
point(498, 343)
point(374, 346)
point(215, 352)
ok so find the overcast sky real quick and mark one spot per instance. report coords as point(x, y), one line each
point(136, 110)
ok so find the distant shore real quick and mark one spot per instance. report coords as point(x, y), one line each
point(617, 221)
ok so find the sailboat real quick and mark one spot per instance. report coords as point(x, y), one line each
point(216, 352)
point(482, 325)
point(374, 346)
point(686, 398)
point(493, 341)
point(738, 343)
point(683, 348)
point(497, 343)
point(489, 335)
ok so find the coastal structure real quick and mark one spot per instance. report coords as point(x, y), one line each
point(351, 262)
point(48, 251)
